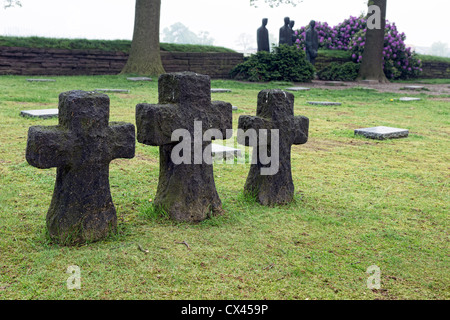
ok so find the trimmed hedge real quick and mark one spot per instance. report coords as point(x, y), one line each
point(339, 72)
point(284, 63)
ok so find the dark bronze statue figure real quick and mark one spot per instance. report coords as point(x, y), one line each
point(263, 37)
point(286, 33)
point(312, 42)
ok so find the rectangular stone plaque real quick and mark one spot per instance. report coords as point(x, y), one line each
point(43, 113)
point(139, 79)
point(409, 99)
point(41, 80)
point(370, 81)
point(222, 152)
point(413, 88)
point(325, 103)
point(382, 133)
point(219, 90)
point(113, 90)
point(298, 89)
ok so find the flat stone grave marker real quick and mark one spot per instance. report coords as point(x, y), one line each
point(382, 133)
point(363, 88)
point(219, 90)
point(81, 146)
point(234, 108)
point(42, 113)
point(113, 90)
point(407, 99)
point(223, 152)
point(41, 80)
point(370, 81)
point(298, 89)
point(335, 83)
point(139, 79)
point(414, 88)
point(325, 103)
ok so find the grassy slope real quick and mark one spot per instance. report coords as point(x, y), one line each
point(107, 45)
point(429, 58)
point(358, 203)
point(124, 45)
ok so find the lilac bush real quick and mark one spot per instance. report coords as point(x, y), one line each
point(399, 61)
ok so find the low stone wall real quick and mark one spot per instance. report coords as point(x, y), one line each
point(435, 70)
point(31, 61)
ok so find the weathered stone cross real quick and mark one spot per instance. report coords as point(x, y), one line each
point(81, 146)
point(186, 188)
point(270, 177)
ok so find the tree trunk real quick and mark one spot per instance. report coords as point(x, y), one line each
point(145, 56)
point(372, 58)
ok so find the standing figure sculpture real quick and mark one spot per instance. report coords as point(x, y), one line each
point(286, 33)
point(312, 42)
point(262, 37)
point(291, 25)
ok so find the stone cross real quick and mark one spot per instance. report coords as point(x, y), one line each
point(275, 113)
point(81, 146)
point(186, 189)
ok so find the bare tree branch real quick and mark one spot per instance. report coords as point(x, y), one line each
point(275, 3)
point(11, 3)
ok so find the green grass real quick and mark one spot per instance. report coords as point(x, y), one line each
point(358, 203)
point(429, 58)
point(340, 54)
point(106, 45)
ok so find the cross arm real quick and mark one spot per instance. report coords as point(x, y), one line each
point(301, 128)
point(221, 118)
point(249, 128)
point(155, 123)
point(122, 140)
point(47, 146)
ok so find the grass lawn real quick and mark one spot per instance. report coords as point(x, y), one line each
point(358, 203)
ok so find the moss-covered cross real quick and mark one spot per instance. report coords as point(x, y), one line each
point(271, 133)
point(186, 189)
point(81, 146)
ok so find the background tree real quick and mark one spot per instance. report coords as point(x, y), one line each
point(11, 3)
point(205, 39)
point(145, 56)
point(179, 33)
point(372, 58)
point(440, 49)
point(275, 3)
point(245, 41)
